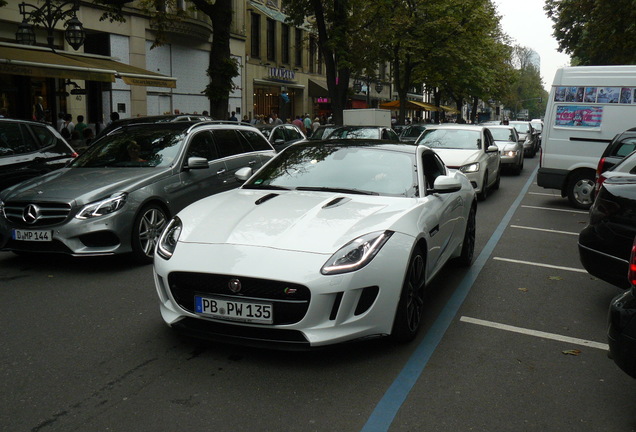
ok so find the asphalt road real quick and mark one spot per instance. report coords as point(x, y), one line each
point(510, 345)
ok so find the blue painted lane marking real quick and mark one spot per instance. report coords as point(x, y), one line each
point(386, 410)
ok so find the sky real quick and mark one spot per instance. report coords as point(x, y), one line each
point(527, 24)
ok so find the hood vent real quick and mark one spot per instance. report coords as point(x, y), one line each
point(336, 202)
point(265, 198)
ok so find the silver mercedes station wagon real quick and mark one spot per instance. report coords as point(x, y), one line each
point(118, 195)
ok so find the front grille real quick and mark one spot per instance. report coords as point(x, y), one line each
point(290, 301)
point(49, 213)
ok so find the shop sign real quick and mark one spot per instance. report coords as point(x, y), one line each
point(323, 100)
point(282, 74)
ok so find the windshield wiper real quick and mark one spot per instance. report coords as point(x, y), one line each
point(340, 190)
point(264, 186)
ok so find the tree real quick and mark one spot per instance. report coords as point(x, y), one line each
point(527, 90)
point(595, 32)
point(339, 29)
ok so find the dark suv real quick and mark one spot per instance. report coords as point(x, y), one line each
point(29, 149)
point(622, 145)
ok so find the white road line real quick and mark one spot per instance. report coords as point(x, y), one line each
point(572, 269)
point(536, 333)
point(555, 209)
point(544, 194)
point(544, 230)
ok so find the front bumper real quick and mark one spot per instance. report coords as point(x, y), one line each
point(338, 308)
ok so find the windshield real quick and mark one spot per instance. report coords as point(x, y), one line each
point(451, 139)
point(356, 133)
point(502, 134)
point(346, 169)
point(133, 147)
point(412, 131)
point(266, 131)
point(521, 127)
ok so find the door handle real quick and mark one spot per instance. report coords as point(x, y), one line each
point(221, 171)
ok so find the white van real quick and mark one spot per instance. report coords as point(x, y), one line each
point(588, 106)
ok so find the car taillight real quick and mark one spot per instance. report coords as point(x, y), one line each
point(600, 178)
point(631, 274)
point(600, 167)
point(74, 154)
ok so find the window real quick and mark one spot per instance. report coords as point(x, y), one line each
point(284, 45)
point(271, 39)
point(299, 48)
point(15, 140)
point(228, 142)
point(255, 41)
point(312, 54)
point(433, 168)
point(255, 140)
point(202, 146)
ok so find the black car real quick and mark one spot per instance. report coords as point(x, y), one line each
point(622, 145)
point(621, 333)
point(606, 242)
point(153, 119)
point(322, 132)
point(281, 135)
point(29, 149)
point(411, 133)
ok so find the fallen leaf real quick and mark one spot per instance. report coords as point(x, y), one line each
point(555, 278)
point(523, 289)
point(574, 352)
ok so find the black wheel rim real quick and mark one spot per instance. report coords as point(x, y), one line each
point(415, 292)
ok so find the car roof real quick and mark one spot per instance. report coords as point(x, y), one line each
point(376, 143)
point(457, 126)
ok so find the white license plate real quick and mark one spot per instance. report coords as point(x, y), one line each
point(235, 310)
point(31, 235)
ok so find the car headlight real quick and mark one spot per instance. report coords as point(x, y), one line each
point(103, 207)
point(470, 168)
point(169, 238)
point(509, 153)
point(356, 254)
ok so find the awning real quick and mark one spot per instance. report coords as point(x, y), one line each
point(39, 62)
point(410, 105)
point(272, 13)
point(317, 89)
point(449, 109)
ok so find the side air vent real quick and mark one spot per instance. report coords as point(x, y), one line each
point(336, 202)
point(265, 198)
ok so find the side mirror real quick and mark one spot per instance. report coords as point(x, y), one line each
point(445, 184)
point(243, 174)
point(279, 142)
point(492, 149)
point(197, 163)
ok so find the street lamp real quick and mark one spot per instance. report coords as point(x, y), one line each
point(47, 16)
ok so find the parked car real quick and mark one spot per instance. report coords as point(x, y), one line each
point(322, 132)
point(623, 166)
point(364, 132)
point(537, 125)
point(621, 332)
point(117, 196)
point(410, 133)
point(527, 137)
point(622, 145)
point(510, 149)
point(470, 149)
point(29, 149)
point(325, 244)
point(605, 243)
point(282, 135)
point(153, 119)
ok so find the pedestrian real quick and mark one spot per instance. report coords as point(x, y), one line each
point(298, 122)
point(114, 116)
point(205, 113)
point(80, 126)
point(307, 122)
point(233, 117)
point(275, 119)
point(315, 125)
point(38, 110)
point(88, 136)
point(67, 125)
point(76, 140)
point(60, 121)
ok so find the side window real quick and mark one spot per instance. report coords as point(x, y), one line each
point(488, 139)
point(433, 168)
point(292, 133)
point(202, 145)
point(15, 139)
point(626, 147)
point(255, 141)
point(278, 133)
point(47, 139)
point(228, 143)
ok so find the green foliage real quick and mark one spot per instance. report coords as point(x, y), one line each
point(595, 32)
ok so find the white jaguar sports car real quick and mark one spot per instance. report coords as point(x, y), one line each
point(331, 241)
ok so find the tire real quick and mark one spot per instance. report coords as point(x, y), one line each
point(484, 189)
point(498, 181)
point(519, 167)
point(580, 191)
point(148, 225)
point(410, 310)
point(468, 245)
